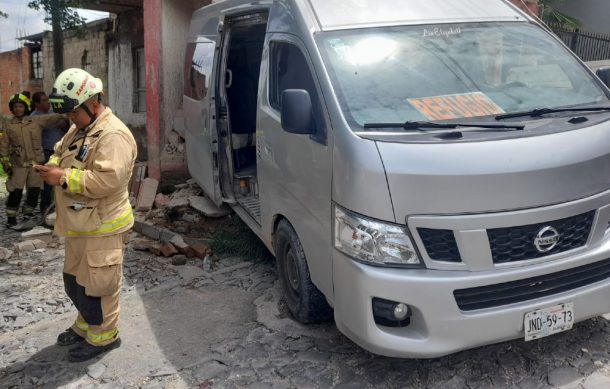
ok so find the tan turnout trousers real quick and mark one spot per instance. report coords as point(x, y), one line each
point(93, 275)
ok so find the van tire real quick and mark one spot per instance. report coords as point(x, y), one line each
point(304, 301)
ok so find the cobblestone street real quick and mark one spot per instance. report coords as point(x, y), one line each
point(225, 327)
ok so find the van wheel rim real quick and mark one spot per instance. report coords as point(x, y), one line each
point(292, 272)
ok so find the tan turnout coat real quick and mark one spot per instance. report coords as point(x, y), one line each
point(21, 146)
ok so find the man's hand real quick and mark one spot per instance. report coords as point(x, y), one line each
point(50, 174)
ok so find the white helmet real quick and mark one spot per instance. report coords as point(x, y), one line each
point(72, 88)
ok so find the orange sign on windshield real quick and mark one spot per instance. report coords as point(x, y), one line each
point(456, 106)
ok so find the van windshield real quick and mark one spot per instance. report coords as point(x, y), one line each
point(452, 71)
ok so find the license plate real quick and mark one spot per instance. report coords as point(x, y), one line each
point(548, 321)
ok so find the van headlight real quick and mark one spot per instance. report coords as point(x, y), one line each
point(374, 242)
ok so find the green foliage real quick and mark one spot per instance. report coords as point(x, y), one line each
point(238, 240)
point(3, 15)
point(69, 17)
point(551, 15)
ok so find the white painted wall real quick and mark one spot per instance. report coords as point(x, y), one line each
point(128, 36)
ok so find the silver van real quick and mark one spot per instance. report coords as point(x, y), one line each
point(434, 175)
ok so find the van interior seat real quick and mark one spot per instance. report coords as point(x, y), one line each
point(241, 141)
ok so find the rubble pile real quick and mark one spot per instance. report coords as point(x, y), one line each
point(170, 243)
point(179, 225)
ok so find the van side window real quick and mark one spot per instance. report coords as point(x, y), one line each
point(197, 69)
point(291, 71)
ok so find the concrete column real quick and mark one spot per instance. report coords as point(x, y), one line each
point(154, 98)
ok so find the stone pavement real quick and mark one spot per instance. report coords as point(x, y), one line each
point(226, 327)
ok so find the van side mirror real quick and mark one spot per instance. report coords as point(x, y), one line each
point(297, 115)
point(604, 75)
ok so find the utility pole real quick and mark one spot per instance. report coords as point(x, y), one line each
point(58, 39)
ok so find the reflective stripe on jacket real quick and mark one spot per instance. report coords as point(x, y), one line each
point(97, 162)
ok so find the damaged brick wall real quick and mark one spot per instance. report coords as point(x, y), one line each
point(16, 76)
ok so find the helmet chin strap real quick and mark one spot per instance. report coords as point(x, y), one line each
point(91, 115)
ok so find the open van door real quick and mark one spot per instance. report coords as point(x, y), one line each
point(200, 128)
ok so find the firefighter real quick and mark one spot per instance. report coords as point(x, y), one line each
point(90, 170)
point(20, 149)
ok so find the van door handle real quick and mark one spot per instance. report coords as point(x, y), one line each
point(229, 80)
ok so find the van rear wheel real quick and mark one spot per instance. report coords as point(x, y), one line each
point(305, 302)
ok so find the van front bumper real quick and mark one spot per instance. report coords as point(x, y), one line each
point(438, 327)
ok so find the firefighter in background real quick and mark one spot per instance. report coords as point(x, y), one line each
point(20, 149)
point(90, 170)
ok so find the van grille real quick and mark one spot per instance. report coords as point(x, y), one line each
point(517, 243)
point(440, 244)
point(531, 288)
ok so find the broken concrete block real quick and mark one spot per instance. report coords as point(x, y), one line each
point(5, 253)
point(207, 207)
point(178, 200)
point(190, 272)
point(50, 219)
point(147, 194)
point(168, 249)
point(38, 232)
point(161, 200)
point(166, 235)
point(39, 244)
point(148, 230)
point(24, 247)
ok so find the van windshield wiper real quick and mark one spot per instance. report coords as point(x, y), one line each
point(421, 126)
point(543, 111)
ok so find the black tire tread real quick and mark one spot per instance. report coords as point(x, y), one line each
point(312, 307)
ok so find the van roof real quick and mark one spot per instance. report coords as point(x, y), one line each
point(343, 14)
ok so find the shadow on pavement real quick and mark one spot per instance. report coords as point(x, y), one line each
point(48, 368)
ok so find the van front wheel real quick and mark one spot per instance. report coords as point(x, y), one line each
point(305, 302)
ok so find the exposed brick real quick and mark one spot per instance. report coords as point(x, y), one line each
point(182, 246)
point(168, 249)
point(201, 250)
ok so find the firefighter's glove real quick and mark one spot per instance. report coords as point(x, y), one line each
point(8, 168)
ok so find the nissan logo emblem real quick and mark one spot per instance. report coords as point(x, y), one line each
point(546, 239)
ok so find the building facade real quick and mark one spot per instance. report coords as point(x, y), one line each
point(20, 72)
